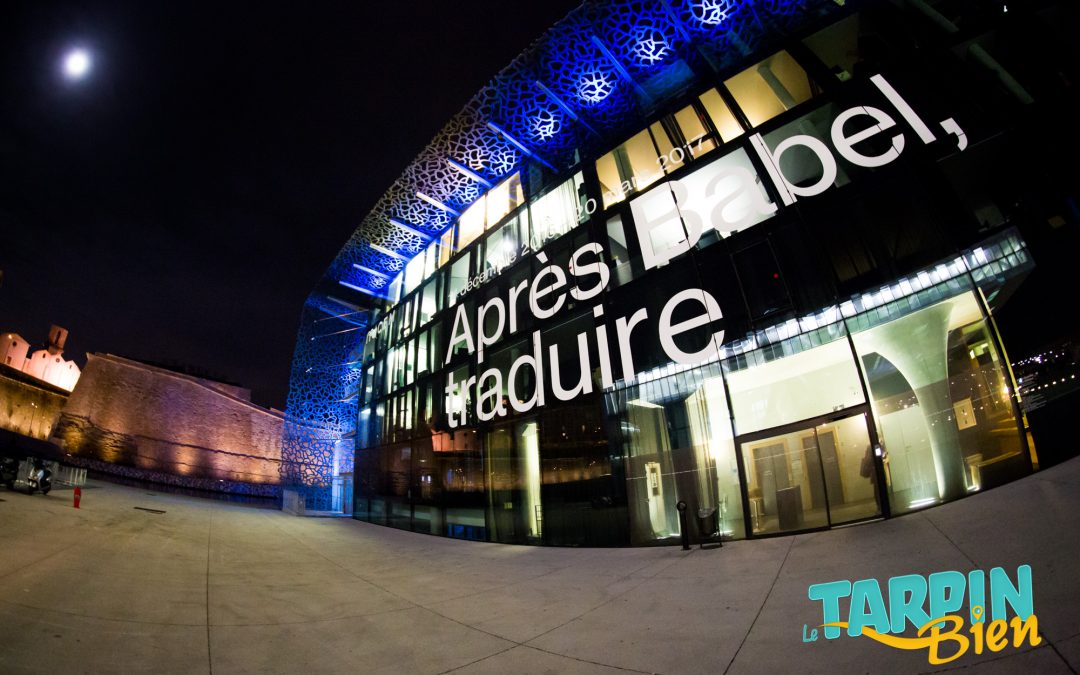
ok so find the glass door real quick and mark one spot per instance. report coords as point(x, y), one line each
point(811, 475)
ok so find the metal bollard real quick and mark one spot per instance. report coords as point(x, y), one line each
point(683, 529)
point(78, 496)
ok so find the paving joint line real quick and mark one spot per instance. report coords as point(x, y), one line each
point(37, 562)
point(513, 643)
point(605, 602)
point(762, 608)
point(949, 539)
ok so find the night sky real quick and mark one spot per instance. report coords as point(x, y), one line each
point(179, 203)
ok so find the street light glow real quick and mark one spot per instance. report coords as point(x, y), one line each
point(76, 64)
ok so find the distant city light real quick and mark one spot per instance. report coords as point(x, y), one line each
point(76, 64)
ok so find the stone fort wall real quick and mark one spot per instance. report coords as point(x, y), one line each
point(28, 407)
point(132, 416)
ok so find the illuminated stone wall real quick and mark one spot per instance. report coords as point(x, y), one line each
point(27, 408)
point(127, 414)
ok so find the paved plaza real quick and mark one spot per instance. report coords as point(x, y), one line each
point(200, 586)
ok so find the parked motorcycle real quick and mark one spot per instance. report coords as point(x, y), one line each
point(39, 478)
point(9, 471)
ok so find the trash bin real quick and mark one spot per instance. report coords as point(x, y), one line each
point(708, 524)
point(789, 507)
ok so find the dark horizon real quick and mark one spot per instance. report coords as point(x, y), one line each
point(179, 204)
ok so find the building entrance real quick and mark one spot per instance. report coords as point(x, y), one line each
point(811, 474)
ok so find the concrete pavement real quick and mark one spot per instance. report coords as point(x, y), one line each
point(214, 587)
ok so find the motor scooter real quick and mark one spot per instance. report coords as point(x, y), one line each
point(39, 478)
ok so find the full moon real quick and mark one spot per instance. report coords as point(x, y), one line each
point(76, 64)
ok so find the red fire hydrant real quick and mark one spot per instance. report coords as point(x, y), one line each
point(78, 496)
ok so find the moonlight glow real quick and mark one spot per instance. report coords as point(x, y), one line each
point(76, 64)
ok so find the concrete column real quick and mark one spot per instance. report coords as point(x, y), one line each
point(917, 346)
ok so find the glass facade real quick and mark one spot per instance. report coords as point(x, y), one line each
point(767, 300)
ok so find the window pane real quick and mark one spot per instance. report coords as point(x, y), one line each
point(446, 246)
point(762, 284)
point(838, 47)
point(802, 166)
point(725, 195)
point(414, 272)
point(501, 248)
point(630, 167)
point(608, 174)
point(770, 87)
point(431, 259)
point(554, 214)
point(471, 224)
point(423, 357)
point(694, 132)
point(814, 382)
point(678, 446)
point(670, 160)
point(427, 303)
point(504, 198)
point(459, 276)
point(624, 267)
point(722, 118)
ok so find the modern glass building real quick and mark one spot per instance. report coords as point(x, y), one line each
point(740, 254)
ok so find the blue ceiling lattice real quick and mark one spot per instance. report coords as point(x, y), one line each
point(785, 15)
point(357, 252)
point(432, 175)
point(582, 76)
point(380, 262)
point(320, 415)
point(468, 140)
point(590, 78)
point(403, 205)
point(372, 282)
point(647, 41)
point(529, 115)
point(642, 35)
point(331, 308)
point(389, 236)
point(724, 31)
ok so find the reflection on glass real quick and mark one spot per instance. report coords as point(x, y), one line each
point(770, 87)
